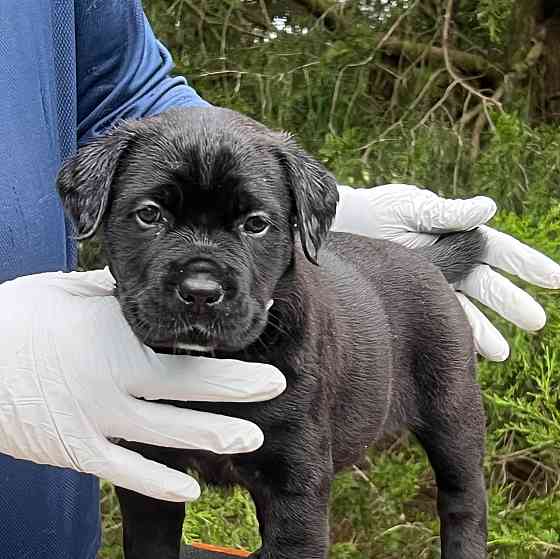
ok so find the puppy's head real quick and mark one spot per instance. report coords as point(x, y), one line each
point(198, 209)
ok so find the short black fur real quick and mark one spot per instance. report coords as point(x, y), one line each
point(371, 341)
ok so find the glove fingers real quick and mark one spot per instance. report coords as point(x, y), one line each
point(487, 339)
point(512, 256)
point(501, 295)
point(130, 470)
point(93, 283)
point(428, 213)
point(209, 380)
point(96, 283)
point(167, 425)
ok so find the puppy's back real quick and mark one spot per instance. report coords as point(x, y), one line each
point(411, 285)
point(409, 333)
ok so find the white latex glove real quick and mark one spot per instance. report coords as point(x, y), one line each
point(415, 217)
point(70, 368)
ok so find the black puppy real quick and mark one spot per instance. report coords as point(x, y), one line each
point(207, 218)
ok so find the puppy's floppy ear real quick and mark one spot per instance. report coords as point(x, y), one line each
point(314, 192)
point(84, 181)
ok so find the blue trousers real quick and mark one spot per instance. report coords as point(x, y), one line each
point(47, 512)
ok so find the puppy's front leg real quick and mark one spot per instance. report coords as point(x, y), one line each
point(294, 521)
point(151, 528)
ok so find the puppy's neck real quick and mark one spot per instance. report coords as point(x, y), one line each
point(297, 310)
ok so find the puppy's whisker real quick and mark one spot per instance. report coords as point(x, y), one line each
point(280, 327)
point(261, 343)
point(140, 292)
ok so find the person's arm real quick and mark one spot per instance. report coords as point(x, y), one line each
point(122, 71)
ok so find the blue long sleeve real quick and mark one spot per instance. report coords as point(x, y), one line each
point(122, 70)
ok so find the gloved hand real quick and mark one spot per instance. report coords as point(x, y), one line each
point(415, 217)
point(70, 369)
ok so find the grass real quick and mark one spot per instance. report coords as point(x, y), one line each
point(385, 508)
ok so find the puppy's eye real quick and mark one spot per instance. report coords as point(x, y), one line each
point(148, 215)
point(255, 225)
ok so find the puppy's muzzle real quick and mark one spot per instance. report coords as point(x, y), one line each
point(199, 288)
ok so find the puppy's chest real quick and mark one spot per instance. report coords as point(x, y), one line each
point(294, 422)
point(305, 399)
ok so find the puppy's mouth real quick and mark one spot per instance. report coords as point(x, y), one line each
point(197, 340)
point(194, 340)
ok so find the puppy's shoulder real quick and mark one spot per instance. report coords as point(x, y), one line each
point(392, 271)
point(367, 254)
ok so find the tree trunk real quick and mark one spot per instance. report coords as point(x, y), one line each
point(538, 92)
point(526, 16)
point(551, 62)
point(524, 92)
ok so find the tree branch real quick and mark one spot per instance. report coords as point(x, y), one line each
point(470, 63)
point(448, 61)
point(467, 62)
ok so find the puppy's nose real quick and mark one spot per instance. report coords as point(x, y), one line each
point(200, 291)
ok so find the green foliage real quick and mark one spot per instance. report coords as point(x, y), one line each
point(91, 255)
point(111, 539)
point(223, 518)
point(494, 18)
point(525, 530)
point(523, 403)
point(385, 506)
point(342, 153)
point(520, 166)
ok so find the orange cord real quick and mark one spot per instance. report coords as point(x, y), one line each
point(224, 550)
